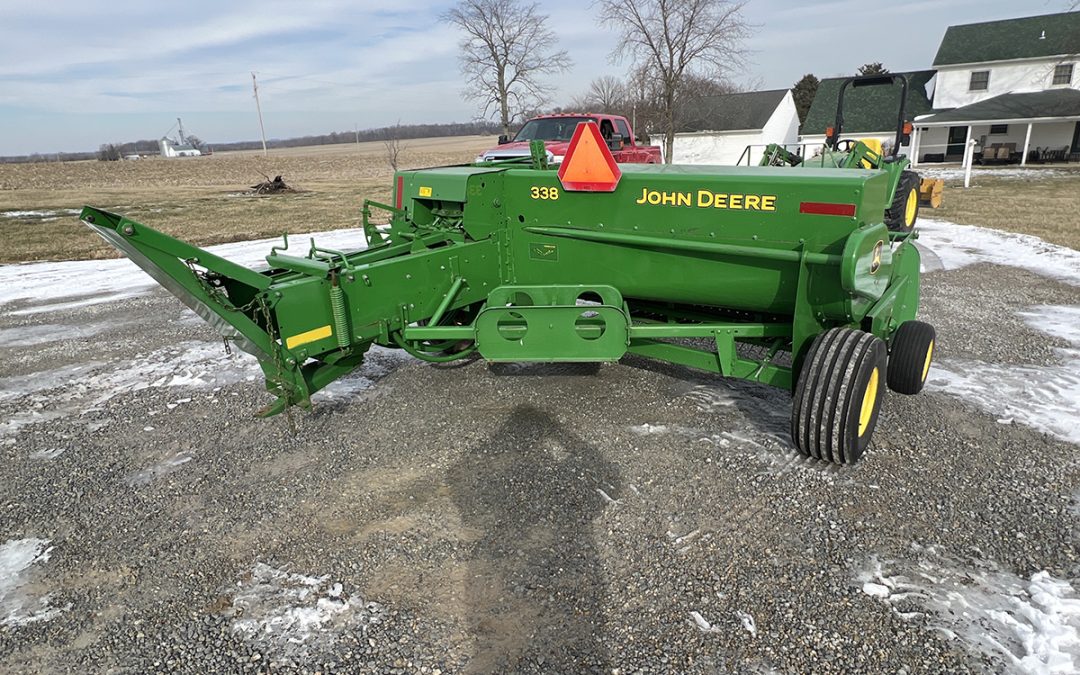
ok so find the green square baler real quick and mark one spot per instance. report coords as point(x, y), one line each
point(788, 278)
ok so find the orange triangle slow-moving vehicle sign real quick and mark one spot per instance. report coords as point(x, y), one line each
point(588, 165)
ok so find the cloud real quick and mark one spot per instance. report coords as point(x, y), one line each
point(74, 63)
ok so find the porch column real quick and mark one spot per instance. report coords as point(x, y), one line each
point(915, 137)
point(1027, 143)
point(969, 157)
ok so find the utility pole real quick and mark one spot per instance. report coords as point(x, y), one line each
point(356, 127)
point(262, 129)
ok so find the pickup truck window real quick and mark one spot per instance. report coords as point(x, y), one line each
point(550, 129)
point(624, 130)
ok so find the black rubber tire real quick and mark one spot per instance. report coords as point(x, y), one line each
point(842, 365)
point(896, 214)
point(911, 351)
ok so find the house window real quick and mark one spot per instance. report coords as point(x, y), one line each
point(1063, 74)
point(999, 128)
point(980, 80)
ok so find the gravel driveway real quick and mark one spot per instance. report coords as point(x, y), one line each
point(634, 517)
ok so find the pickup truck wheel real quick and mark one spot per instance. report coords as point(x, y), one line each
point(911, 351)
point(902, 215)
point(838, 395)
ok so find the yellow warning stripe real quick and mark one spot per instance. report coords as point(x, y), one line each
point(309, 336)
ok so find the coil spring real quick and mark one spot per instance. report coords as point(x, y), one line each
point(341, 317)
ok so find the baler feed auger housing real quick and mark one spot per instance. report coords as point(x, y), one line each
point(791, 277)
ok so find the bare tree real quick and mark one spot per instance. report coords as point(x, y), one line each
point(607, 92)
point(109, 152)
point(393, 145)
point(505, 55)
point(677, 38)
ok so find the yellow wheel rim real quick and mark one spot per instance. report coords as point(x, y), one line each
point(926, 363)
point(912, 205)
point(869, 400)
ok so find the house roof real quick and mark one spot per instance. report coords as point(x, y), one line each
point(731, 112)
point(1052, 103)
point(1024, 38)
point(867, 109)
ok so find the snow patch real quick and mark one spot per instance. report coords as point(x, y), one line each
point(702, 624)
point(705, 626)
point(39, 214)
point(957, 173)
point(747, 622)
point(647, 429)
point(82, 388)
point(1034, 624)
point(378, 363)
point(956, 246)
point(28, 336)
point(17, 607)
point(49, 453)
point(88, 301)
point(119, 279)
point(294, 613)
point(155, 471)
point(1046, 398)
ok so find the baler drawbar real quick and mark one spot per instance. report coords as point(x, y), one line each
point(788, 278)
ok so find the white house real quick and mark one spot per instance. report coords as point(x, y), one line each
point(869, 112)
point(1013, 86)
point(719, 129)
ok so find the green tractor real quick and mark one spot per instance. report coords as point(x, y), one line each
point(867, 153)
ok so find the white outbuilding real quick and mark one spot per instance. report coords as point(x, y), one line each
point(730, 129)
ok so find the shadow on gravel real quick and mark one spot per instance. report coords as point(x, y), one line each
point(535, 584)
point(586, 369)
point(767, 408)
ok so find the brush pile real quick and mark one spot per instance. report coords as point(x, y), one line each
point(271, 187)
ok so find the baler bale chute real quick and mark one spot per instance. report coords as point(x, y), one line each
point(906, 190)
point(790, 278)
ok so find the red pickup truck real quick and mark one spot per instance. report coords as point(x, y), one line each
point(556, 131)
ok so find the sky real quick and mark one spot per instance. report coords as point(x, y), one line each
point(78, 73)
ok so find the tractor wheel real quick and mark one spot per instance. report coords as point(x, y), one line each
point(838, 395)
point(910, 353)
point(901, 216)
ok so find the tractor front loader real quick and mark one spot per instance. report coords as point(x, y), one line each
point(791, 277)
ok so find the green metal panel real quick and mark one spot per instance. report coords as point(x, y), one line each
point(546, 323)
point(552, 333)
point(867, 262)
point(686, 214)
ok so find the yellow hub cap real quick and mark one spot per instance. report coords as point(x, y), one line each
point(869, 399)
point(926, 364)
point(912, 205)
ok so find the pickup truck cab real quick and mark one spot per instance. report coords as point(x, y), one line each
point(556, 131)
